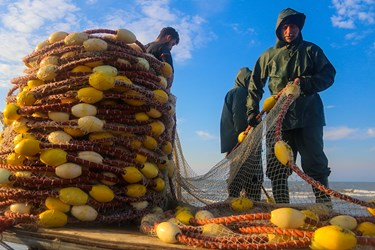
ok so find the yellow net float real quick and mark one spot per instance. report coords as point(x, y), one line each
point(53, 157)
point(102, 193)
point(125, 36)
point(283, 152)
point(269, 103)
point(287, 218)
point(52, 219)
point(333, 237)
point(27, 147)
point(241, 204)
point(73, 196)
point(159, 184)
point(76, 38)
point(101, 80)
point(135, 190)
point(11, 112)
point(366, 228)
point(95, 44)
point(53, 203)
point(132, 175)
point(89, 95)
point(15, 159)
point(149, 170)
point(57, 36)
point(108, 70)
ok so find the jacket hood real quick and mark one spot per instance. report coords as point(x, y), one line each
point(243, 77)
point(289, 15)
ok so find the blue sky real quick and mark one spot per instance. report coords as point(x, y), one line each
point(217, 38)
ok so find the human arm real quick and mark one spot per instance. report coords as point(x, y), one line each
point(167, 57)
point(320, 75)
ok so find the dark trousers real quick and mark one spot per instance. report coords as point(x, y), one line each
point(308, 142)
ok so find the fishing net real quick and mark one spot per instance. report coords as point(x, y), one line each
point(90, 138)
point(88, 132)
point(232, 206)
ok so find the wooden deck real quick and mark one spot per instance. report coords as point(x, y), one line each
point(75, 238)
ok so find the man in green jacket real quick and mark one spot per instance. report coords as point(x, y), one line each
point(304, 63)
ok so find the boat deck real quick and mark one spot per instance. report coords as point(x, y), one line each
point(94, 237)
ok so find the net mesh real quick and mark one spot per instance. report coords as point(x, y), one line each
point(130, 171)
point(243, 173)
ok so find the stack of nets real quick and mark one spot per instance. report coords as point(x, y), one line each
point(88, 132)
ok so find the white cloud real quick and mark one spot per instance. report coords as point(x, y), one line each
point(146, 18)
point(371, 132)
point(205, 135)
point(26, 23)
point(338, 133)
point(344, 132)
point(350, 13)
point(355, 37)
point(338, 21)
point(26, 16)
point(9, 71)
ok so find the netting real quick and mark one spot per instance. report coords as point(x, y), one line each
point(243, 173)
point(88, 132)
point(87, 138)
point(211, 216)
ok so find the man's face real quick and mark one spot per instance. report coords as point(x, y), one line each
point(290, 32)
point(171, 42)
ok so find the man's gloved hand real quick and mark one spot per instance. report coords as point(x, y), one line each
point(252, 120)
point(292, 89)
point(305, 85)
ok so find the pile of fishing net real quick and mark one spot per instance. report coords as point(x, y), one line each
point(88, 132)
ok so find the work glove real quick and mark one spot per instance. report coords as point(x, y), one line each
point(292, 89)
point(305, 85)
point(252, 120)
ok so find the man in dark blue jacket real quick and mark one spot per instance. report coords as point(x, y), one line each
point(233, 122)
point(161, 47)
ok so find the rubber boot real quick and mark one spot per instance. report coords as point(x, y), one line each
point(280, 190)
point(321, 197)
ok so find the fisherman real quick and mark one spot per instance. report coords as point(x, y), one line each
point(233, 122)
point(161, 47)
point(305, 64)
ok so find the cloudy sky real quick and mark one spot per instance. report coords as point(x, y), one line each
point(217, 38)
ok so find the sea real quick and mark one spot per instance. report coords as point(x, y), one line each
point(361, 190)
point(358, 190)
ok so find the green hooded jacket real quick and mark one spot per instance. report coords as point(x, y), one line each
point(233, 117)
point(283, 63)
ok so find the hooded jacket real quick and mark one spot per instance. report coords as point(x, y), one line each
point(283, 63)
point(233, 116)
